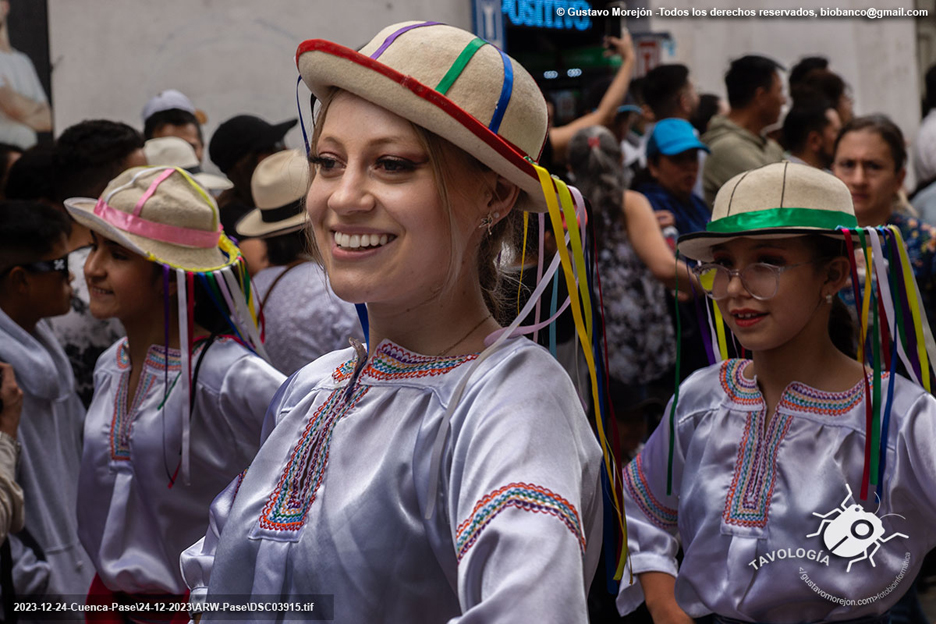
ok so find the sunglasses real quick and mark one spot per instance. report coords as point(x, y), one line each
point(58, 265)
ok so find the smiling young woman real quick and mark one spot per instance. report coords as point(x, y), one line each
point(424, 477)
point(761, 456)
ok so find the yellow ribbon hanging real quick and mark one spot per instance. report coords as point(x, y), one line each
point(526, 225)
point(913, 299)
point(568, 210)
point(720, 332)
point(866, 302)
point(550, 194)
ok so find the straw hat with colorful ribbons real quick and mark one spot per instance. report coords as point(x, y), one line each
point(471, 93)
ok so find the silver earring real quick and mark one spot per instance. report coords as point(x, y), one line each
point(488, 221)
point(828, 298)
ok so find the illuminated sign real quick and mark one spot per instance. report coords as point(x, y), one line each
point(559, 14)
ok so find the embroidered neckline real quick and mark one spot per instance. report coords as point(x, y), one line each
point(390, 362)
point(796, 397)
point(155, 357)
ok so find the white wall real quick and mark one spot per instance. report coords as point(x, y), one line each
point(877, 57)
point(229, 56)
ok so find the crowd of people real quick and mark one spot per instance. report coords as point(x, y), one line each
point(182, 417)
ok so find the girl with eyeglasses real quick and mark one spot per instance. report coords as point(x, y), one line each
point(791, 499)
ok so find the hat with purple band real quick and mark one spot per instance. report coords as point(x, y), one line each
point(450, 82)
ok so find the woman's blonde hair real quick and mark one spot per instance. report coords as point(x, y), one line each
point(448, 161)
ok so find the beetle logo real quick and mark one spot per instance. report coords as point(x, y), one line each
point(852, 531)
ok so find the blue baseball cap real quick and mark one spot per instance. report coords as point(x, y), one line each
point(673, 136)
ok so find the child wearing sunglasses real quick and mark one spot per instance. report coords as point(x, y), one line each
point(799, 483)
point(48, 560)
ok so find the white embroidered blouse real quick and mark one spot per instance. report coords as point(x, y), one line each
point(334, 502)
point(769, 516)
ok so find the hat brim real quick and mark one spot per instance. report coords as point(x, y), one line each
point(213, 182)
point(698, 245)
point(278, 131)
point(325, 65)
point(197, 260)
point(253, 225)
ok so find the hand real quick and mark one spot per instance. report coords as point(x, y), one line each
point(12, 401)
point(624, 47)
point(665, 218)
point(670, 613)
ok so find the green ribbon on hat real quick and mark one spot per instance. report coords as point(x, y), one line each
point(782, 218)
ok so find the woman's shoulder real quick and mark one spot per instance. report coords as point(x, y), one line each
point(516, 360)
point(717, 385)
point(327, 372)
point(911, 397)
point(225, 358)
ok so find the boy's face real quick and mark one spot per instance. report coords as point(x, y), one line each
point(50, 292)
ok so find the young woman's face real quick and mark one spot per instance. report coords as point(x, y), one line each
point(864, 162)
point(791, 312)
point(121, 284)
point(376, 211)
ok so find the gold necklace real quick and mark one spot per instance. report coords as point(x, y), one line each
point(462, 339)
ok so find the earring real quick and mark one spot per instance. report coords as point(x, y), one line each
point(828, 298)
point(488, 221)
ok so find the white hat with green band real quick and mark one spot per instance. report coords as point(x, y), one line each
point(780, 200)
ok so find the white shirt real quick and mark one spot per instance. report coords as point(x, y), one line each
point(135, 518)
point(19, 72)
point(303, 318)
point(763, 511)
point(334, 502)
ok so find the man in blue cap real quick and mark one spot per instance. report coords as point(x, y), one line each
point(673, 167)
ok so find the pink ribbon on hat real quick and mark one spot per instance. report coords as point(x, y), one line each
point(157, 231)
point(135, 224)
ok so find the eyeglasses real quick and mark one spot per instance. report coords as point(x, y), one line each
point(760, 279)
point(58, 265)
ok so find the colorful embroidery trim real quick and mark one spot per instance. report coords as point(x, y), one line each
point(123, 355)
point(391, 362)
point(738, 388)
point(748, 501)
point(797, 397)
point(345, 371)
point(523, 496)
point(122, 420)
point(636, 482)
point(802, 398)
point(289, 503)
